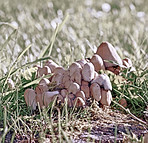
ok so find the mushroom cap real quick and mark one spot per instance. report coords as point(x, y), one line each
point(67, 84)
point(79, 102)
point(41, 88)
point(106, 97)
point(74, 67)
point(44, 81)
point(107, 52)
point(104, 81)
point(43, 71)
point(60, 70)
point(58, 78)
point(76, 77)
point(82, 62)
point(74, 88)
point(127, 62)
point(49, 97)
point(51, 64)
point(123, 102)
point(81, 94)
point(30, 98)
point(97, 61)
point(86, 90)
point(88, 72)
point(85, 83)
point(95, 91)
point(60, 98)
point(64, 92)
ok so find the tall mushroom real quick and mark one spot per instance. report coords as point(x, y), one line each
point(95, 91)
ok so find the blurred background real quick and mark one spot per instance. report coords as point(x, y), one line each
point(122, 23)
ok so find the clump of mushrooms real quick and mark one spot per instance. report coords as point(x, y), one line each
point(79, 82)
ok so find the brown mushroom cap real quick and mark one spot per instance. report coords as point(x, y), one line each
point(81, 94)
point(107, 52)
point(49, 97)
point(123, 102)
point(104, 81)
point(58, 78)
point(74, 88)
point(30, 98)
point(60, 70)
point(64, 93)
point(106, 97)
point(52, 65)
point(88, 72)
point(82, 62)
point(95, 91)
point(76, 77)
point(79, 102)
point(97, 61)
point(74, 67)
point(43, 71)
point(44, 81)
point(86, 90)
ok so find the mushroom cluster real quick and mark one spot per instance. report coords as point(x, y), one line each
point(79, 82)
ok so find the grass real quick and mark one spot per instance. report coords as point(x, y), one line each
point(45, 26)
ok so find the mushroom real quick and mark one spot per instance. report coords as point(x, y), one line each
point(85, 88)
point(43, 71)
point(74, 67)
point(40, 89)
point(106, 97)
point(88, 72)
point(60, 98)
point(97, 61)
point(95, 74)
point(95, 91)
point(81, 94)
point(82, 62)
point(127, 62)
point(44, 81)
point(104, 81)
point(10, 83)
point(74, 88)
point(52, 65)
point(107, 52)
point(64, 93)
point(49, 97)
point(30, 98)
point(76, 77)
point(79, 102)
point(60, 70)
point(123, 102)
point(58, 78)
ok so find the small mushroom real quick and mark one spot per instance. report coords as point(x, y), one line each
point(123, 102)
point(67, 84)
point(81, 94)
point(127, 62)
point(66, 76)
point(49, 97)
point(58, 78)
point(76, 77)
point(106, 97)
point(43, 71)
point(107, 52)
point(86, 90)
point(88, 72)
point(95, 91)
point(64, 93)
point(52, 65)
point(104, 81)
point(82, 62)
point(10, 83)
point(74, 67)
point(60, 98)
point(44, 81)
point(60, 70)
point(79, 102)
point(74, 88)
point(30, 98)
point(97, 61)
